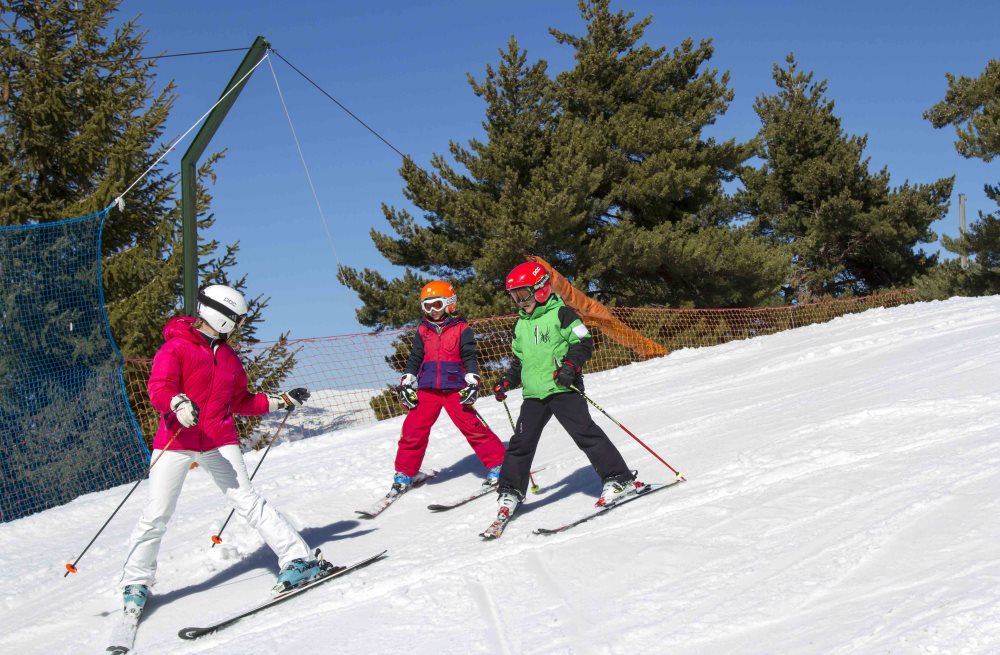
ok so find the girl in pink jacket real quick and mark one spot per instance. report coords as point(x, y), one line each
point(197, 384)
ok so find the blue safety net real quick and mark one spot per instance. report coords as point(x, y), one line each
point(66, 428)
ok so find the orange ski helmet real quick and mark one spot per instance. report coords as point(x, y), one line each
point(530, 276)
point(437, 295)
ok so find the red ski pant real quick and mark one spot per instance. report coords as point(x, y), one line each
point(417, 430)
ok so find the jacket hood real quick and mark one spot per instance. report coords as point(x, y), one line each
point(182, 327)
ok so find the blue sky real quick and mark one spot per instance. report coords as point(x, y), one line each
point(402, 66)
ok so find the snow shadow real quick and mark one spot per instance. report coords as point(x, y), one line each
point(468, 465)
point(262, 558)
point(581, 481)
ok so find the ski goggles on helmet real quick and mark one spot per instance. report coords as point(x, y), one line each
point(521, 295)
point(225, 310)
point(433, 304)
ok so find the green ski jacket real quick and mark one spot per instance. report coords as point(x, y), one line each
point(542, 340)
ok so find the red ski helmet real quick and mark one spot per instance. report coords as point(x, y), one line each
point(529, 277)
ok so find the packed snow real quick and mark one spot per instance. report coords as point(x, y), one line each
point(841, 497)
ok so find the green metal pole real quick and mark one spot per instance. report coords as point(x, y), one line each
point(189, 170)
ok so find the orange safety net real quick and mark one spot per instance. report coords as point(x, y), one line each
point(596, 315)
point(351, 376)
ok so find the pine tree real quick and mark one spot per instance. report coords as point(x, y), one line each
point(848, 232)
point(602, 171)
point(80, 122)
point(660, 229)
point(481, 219)
point(972, 106)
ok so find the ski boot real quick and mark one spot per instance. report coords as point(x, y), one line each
point(134, 600)
point(400, 484)
point(618, 487)
point(300, 571)
point(492, 477)
point(508, 502)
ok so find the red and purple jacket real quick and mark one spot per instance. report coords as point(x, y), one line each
point(443, 354)
point(210, 373)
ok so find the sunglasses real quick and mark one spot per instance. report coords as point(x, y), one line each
point(433, 304)
point(521, 294)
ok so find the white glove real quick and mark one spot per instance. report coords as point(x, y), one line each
point(286, 399)
point(185, 410)
point(408, 380)
point(470, 392)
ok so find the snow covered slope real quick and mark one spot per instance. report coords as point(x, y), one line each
point(843, 496)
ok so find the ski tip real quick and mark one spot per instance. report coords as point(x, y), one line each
point(364, 515)
point(191, 633)
point(437, 508)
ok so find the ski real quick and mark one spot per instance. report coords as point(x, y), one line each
point(194, 633)
point(495, 529)
point(484, 490)
point(383, 503)
point(643, 492)
point(123, 635)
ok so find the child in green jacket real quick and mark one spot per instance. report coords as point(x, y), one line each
point(551, 344)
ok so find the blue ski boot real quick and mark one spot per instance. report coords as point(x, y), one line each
point(492, 477)
point(300, 571)
point(134, 598)
point(400, 483)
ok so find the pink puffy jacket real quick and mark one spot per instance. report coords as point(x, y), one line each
point(215, 382)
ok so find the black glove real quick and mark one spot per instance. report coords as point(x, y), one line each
point(185, 410)
point(407, 391)
point(567, 374)
point(500, 390)
point(286, 399)
point(470, 392)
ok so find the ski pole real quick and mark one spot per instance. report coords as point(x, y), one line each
point(628, 432)
point(71, 568)
point(534, 485)
point(217, 538)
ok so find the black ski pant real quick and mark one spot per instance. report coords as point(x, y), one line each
point(570, 409)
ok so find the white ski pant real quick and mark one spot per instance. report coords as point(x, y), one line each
point(227, 468)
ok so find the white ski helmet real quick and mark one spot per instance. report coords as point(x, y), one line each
point(222, 307)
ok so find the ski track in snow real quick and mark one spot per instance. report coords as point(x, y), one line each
point(842, 498)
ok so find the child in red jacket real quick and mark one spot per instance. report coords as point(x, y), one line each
point(442, 373)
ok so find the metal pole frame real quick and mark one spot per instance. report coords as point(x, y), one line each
point(189, 169)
